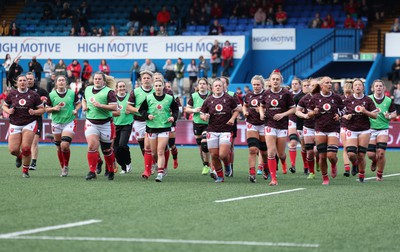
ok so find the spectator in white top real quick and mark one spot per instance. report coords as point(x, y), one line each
point(48, 68)
point(148, 65)
point(192, 69)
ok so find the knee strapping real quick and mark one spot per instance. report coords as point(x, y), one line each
point(332, 148)
point(105, 146)
point(371, 148)
point(362, 149)
point(381, 145)
point(198, 141)
point(309, 147)
point(293, 137)
point(26, 151)
point(66, 139)
point(204, 147)
point(253, 142)
point(263, 146)
point(322, 148)
point(351, 149)
point(141, 144)
point(57, 143)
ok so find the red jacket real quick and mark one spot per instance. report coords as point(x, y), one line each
point(76, 70)
point(227, 52)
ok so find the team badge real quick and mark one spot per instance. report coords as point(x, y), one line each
point(159, 106)
point(326, 107)
point(62, 104)
point(358, 109)
point(22, 102)
point(268, 129)
point(348, 133)
point(218, 107)
point(274, 102)
point(120, 107)
point(92, 99)
point(254, 102)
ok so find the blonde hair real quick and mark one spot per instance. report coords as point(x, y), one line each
point(259, 78)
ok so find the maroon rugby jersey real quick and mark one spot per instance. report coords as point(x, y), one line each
point(328, 106)
point(358, 121)
point(304, 104)
point(220, 110)
point(253, 101)
point(22, 102)
point(343, 122)
point(293, 117)
point(276, 103)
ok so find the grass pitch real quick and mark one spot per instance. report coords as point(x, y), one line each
point(180, 214)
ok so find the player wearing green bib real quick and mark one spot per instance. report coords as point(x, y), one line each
point(63, 106)
point(123, 128)
point(99, 101)
point(380, 128)
point(193, 106)
point(157, 109)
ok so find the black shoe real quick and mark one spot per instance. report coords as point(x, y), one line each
point(18, 162)
point(305, 171)
point(265, 173)
point(361, 180)
point(354, 170)
point(90, 175)
point(252, 178)
point(106, 172)
point(347, 174)
point(110, 175)
point(32, 167)
point(292, 169)
point(98, 168)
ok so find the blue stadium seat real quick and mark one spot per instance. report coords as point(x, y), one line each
point(191, 28)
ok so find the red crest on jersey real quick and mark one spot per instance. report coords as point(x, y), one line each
point(208, 135)
point(120, 107)
point(254, 102)
point(358, 108)
point(249, 126)
point(274, 103)
point(22, 102)
point(268, 129)
point(159, 106)
point(92, 99)
point(62, 104)
point(218, 107)
point(326, 106)
point(348, 133)
point(11, 130)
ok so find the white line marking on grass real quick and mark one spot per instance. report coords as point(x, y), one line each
point(385, 176)
point(44, 229)
point(171, 241)
point(258, 195)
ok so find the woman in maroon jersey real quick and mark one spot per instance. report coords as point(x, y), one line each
point(255, 127)
point(23, 105)
point(220, 110)
point(359, 108)
point(326, 108)
point(292, 127)
point(347, 91)
point(279, 104)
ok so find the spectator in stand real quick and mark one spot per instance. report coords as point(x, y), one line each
point(270, 20)
point(47, 13)
point(113, 30)
point(3, 97)
point(396, 72)
point(152, 31)
point(36, 67)
point(179, 69)
point(94, 31)
point(395, 26)
point(142, 32)
point(148, 65)
point(163, 16)
point(192, 69)
point(132, 31)
point(216, 28)
point(14, 71)
point(83, 32)
point(281, 16)
point(396, 97)
point(75, 68)
point(51, 82)
point(215, 58)
point(4, 29)
point(330, 21)
point(14, 29)
point(259, 17)
point(7, 64)
point(135, 18)
point(162, 31)
point(204, 67)
point(325, 25)
point(239, 95)
point(351, 8)
point(61, 68)
point(359, 24)
point(253, 9)
point(349, 22)
point(100, 32)
point(104, 67)
point(316, 22)
point(216, 11)
point(192, 17)
point(135, 70)
point(174, 15)
point(203, 17)
point(148, 17)
point(235, 13)
point(48, 68)
point(86, 71)
point(66, 12)
point(243, 10)
point(169, 73)
point(70, 77)
point(73, 32)
point(227, 58)
point(85, 14)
